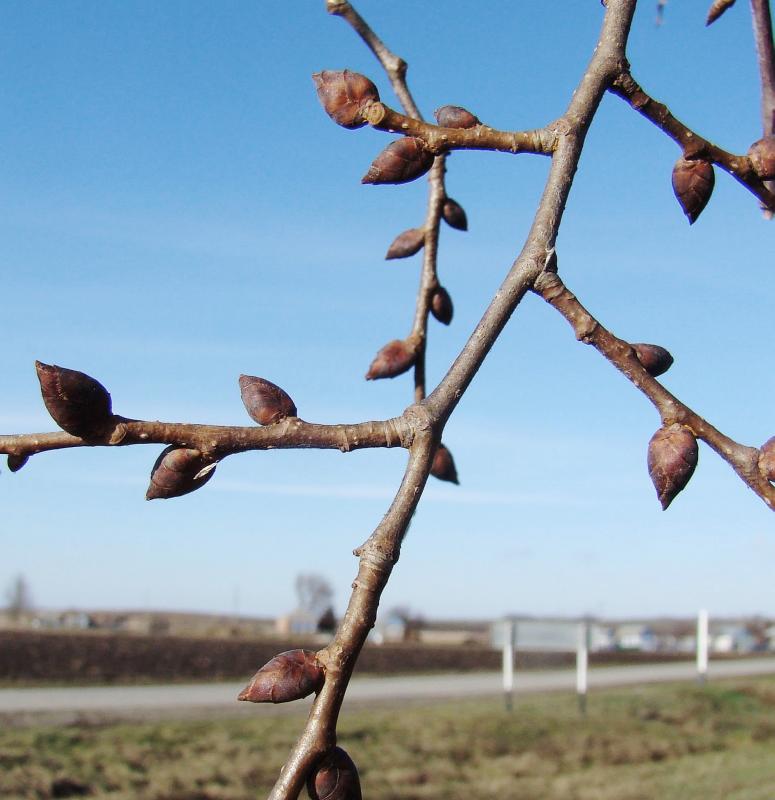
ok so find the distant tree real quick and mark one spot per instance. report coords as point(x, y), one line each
point(18, 597)
point(314, 593)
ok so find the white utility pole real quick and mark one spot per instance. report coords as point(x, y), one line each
point(702, 645)
point(582, 665)
point(509, 640)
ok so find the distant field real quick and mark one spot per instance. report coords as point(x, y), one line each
point(92, 658)
point(672, 742)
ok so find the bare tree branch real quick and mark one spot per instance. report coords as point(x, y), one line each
point(692, 144)
point(219, 441)
point(743, 460)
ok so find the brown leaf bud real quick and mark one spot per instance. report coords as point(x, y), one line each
point(288, 676)
point(406, 244)
point(400, 162)
point(77, 402)
point(334, 777)
point(717, 8)
point(693, 185)
point(393, 359)
point(178, 471)
point(15, 463)
point(455, 117)
point(345, 95)
point(672, 458)
point(443, 466)
point(767, 459)
point(655, 359)
point(265, 402)
point(454, 215)
point(762, 155)
point(441, 306)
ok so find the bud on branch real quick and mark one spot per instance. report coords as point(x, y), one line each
point(454, 215)
point(406, 244)
point(400, 162)
point(78, 403)
point(288, 676)
point(455, 117)
point(393, 359)
point(672, 458)
point(335, 777)
point(655, 359)
point(345, 95)
point(693, 185)
point(762, 155)
point(443, 466)
point(441, 306)
point(179, 471)
point(266, 402)
point(767, 459)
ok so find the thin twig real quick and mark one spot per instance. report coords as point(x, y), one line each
point(692, 144)
point(219, 440)
point(743, 460)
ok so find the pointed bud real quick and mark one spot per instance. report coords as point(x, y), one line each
point(454, 215)
point(406, 244)
point(393, 359)
point(265, 402)
point(693, 185)
point(400, 162)
point(334, 777)
point(717, 8)
point(672, 458)
point(443, 466)
point(762, 155)
point(344, 96)
point(288, 676)
point(455, 117)
point(178, 471)
point(15, 463)
point(767, 459)
point(655, 359)
point(441, 306)
point(77, 403)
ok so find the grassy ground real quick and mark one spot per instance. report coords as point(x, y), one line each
point(668, 743)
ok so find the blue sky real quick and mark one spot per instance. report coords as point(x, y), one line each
point(176, 209)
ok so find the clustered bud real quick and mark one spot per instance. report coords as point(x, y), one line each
point(655, 359)
point(762, 155)
point(78, 403)
point(288, 676)
point(443, 466)
point(393, 359)
point(455, 117)
point(693, 182)
point(717, 8)
point(672, 457)
point(334, 777)
point(767, 459)
point(400, 162)
point(454, 215)
point(406, 244)
point(441, 306)
point(178, 471)
point(265, 402)
point(345, 95)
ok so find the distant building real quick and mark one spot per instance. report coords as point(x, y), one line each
point(732, 639)
point(636, 636)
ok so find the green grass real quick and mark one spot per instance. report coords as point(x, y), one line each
point(675, 742)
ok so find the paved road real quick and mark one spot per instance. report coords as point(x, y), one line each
point(66, 703)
